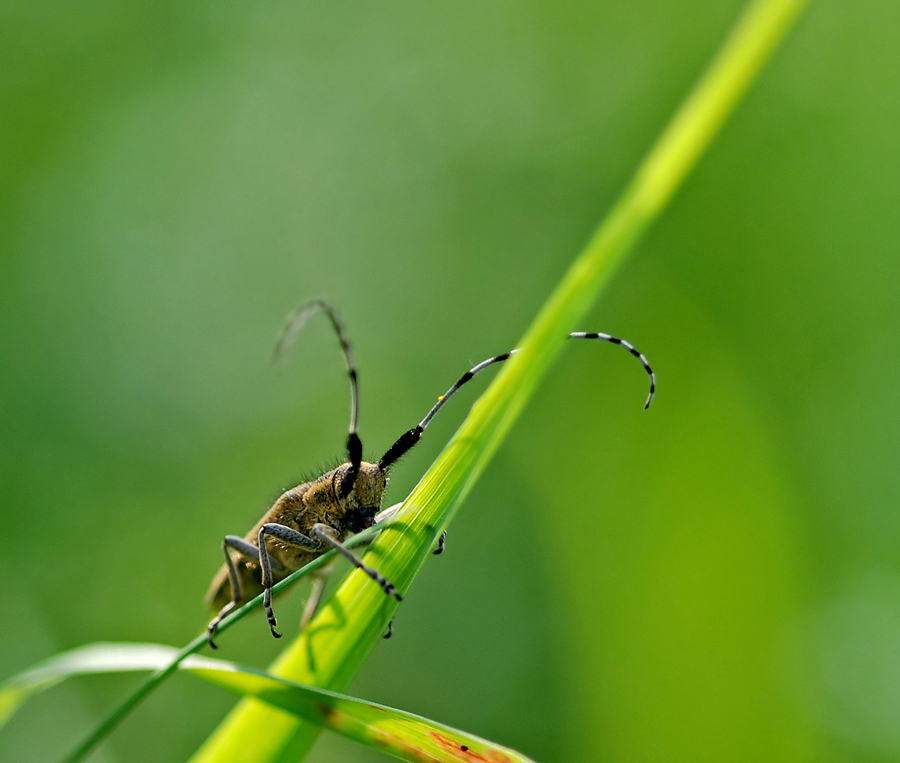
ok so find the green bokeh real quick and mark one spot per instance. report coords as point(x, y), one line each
point(717, 579)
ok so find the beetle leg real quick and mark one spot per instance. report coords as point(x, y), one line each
point(250, 552)
point(214, 623)
point(326, 534)
point(292, 538)
point(312, 602)
point(387, 513)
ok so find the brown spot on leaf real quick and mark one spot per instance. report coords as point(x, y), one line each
point(326, 711)
point(465, 753)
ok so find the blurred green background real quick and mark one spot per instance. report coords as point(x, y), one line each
point(716, 579)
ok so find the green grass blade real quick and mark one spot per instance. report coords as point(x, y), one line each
point(96, 658)
point(395, 732)
point(331, 650)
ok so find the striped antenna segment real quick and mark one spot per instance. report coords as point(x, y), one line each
point(410, 438)
point(628, 346)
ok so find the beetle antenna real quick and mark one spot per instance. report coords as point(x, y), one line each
point(408, 439)
point(628, 346)
point(294, 324)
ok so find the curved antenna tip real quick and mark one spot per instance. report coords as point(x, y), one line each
point(293, 325)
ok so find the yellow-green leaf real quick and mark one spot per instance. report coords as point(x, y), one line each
point(394, 732)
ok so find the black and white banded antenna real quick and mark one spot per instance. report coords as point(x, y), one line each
point(409, 439)
point(292, 327)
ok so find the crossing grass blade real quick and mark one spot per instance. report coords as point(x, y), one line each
point(395, 732)
point(333, 647)
point(95, 658)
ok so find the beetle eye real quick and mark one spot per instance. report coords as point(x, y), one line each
point(343, 482)
point(346, 485)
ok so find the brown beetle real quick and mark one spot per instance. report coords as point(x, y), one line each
point(314, 517)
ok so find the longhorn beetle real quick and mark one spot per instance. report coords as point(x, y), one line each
point(308, 520)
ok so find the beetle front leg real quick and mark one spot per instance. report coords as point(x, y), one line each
point(292, 538)
point(326, 534)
